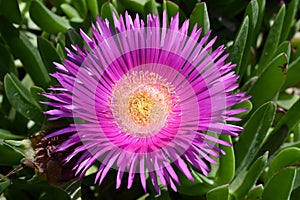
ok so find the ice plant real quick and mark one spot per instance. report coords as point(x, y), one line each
point(146, 98)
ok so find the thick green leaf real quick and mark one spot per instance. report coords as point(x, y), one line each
point(252, 12)
point(151, 7)
point(120, 8)
point(291, 144)
point(61, 39)
point(48, 54)
point(284, 158)
point(272, 41)
point(71, 12)
point(297, 133)
point(134, 5)
point(22, 146)
point(292, 74)
point(280, 186)
point(286, 100)
point(21, 100)
point(269, 83)
point(200, 186)
point(237, 50)
point(284, 47)
point(11, 78)
point(255, 193)
point(107, 11)
point(47, 20)
point(61, 52)
point(218, 193)
point(9, 155)
point(274, 141)
point(81, 7)
point(254, 134)
point(198, 189)
point(247, 178)
point(27, 81)
point(226, 169)
point(281, 60)
point(289, 19)
point(7, 62)
point(93, 8)
point(7, 135)
point(171, 8)
point(200, 16)
point(10, 9)
point(297, 179)
point(282, 128)
point(260, 17)
point(28, 54)
point(291, 118)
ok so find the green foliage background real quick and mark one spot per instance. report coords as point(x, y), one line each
point(263, 39)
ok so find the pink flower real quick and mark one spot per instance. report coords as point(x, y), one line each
point(145, 99)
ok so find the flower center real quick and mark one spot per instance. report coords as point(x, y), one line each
point(140, 106)
point(141, 103)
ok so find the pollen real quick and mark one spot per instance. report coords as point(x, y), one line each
point(140, 107)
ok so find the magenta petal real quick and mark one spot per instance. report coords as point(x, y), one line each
point(119, 178)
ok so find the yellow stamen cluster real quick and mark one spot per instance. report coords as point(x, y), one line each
point(140, 106)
